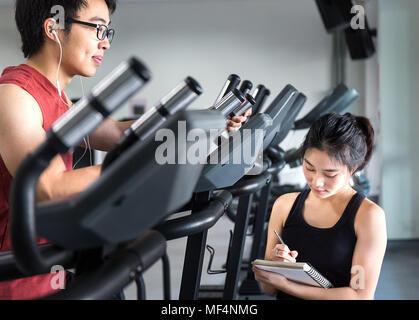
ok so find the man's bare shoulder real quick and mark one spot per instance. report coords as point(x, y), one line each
point(17, 103)
point(12, 91)
point(20, 125)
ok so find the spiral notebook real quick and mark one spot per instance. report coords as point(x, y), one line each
point(301, 272)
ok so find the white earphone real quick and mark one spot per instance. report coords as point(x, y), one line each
point(59, 64)
point(55, 35)
point(87, 143)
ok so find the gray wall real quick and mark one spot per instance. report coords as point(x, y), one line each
point(399, 78)
point(269, 42)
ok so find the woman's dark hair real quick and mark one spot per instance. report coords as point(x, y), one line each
point(31, 14)
point(346, 138)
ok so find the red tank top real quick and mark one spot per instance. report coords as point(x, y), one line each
point(45, 93)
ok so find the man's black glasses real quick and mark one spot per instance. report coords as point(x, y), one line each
point(102, 30)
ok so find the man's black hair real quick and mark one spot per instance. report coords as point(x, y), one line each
point(31, 14)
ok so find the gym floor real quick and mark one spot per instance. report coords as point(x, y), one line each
point(398, 278)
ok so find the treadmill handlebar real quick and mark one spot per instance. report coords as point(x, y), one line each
point(276, 153)
point(246, 105)
point(288, 123)
point(337, 100)
point(111, 93)
point(9, 270)
point(118, 271)
point(249, 184)
point(293, 155)
point(176, 100)
point(230, 102)
point(260, 94)
point(231, 83)
point(198, 221)
point(245, 87)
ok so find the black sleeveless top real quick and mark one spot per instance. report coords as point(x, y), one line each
point(329, 250)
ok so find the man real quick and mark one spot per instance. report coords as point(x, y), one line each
point(31, 100)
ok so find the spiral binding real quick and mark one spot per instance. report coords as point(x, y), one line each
point(316, 276)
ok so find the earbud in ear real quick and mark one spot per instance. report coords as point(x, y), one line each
point(56, 36)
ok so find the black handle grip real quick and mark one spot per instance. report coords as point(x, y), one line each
point(231, 83)
point(245, 87)
point(261, 95)
point(249, 103)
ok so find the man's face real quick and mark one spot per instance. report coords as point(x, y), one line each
point(82, 50)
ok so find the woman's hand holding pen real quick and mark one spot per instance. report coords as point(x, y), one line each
point(282, 253)
point(271, 281)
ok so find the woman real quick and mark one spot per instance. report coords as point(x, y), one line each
point(329, 225)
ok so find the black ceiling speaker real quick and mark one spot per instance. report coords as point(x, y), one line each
point(336, 14)
point(359, 42)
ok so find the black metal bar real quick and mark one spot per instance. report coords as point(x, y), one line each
point(198, 221)
point(10, 271)
point(236, 251)
point(121, 295)
point(192, 266)
point(166, 277)
point(207, 210)
point(87, 260)
point(261, 214)
point(22, 211)
point(249, 285)
point(249, 184)
point(139, 281)
point(118, 271)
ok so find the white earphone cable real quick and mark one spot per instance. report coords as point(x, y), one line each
point(86, 143)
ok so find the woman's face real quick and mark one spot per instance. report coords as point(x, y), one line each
point(82, 50)
point(324, 176)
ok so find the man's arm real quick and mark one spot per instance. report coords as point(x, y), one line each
point(107, 134)
point(236, 122)
point(21, 132)
point(110, 132)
